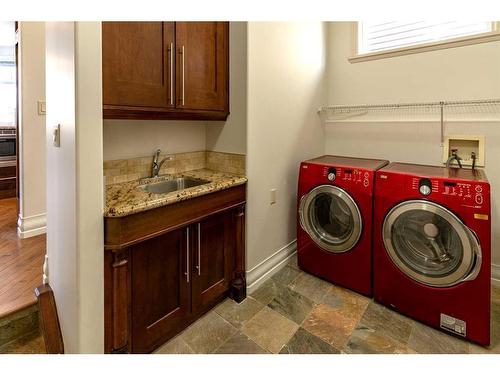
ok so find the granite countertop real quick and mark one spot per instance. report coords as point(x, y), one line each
point(128, 198)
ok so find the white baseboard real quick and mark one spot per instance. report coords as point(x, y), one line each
point(495, 275)
point(265, 269)
point(31, 226)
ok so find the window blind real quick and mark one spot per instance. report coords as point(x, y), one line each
point(381, 36)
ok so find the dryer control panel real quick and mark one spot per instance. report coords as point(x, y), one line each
point(351, 176)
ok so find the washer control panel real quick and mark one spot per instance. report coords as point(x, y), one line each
point(469, 193)
point(347, 175)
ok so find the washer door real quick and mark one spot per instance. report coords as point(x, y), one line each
point(430, 244)
point(331, 218)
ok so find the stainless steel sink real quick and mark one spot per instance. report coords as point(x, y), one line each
point(169, 186)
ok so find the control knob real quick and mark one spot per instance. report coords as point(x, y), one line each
point(425, 186)
point(331, 174)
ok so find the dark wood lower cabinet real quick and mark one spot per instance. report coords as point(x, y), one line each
point(158, 284)
point(213, 259)
point(160, 289)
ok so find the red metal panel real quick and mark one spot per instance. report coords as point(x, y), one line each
point(467, 195)
point(352, 269)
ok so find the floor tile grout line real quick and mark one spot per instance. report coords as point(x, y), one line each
point(229, 338)
point(267, 351)
point(286, 317)
point(239, 329)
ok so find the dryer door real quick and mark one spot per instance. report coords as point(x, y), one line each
point(430, 244)
point(331, 218)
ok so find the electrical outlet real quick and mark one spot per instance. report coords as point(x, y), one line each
point(465, 146)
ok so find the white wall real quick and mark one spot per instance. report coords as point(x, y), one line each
point(286, 64)
point(457, 73)
point(230, 136)
point(470, 72)
point(125, 139)
point(75, 182)
point(32, 218)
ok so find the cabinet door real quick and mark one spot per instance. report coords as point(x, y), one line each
point(214, 241)
point(202, 65)
point(7, 182)
point(138, 64)
point(160, 289)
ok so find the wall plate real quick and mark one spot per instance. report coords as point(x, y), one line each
point(465, 144)
point(42, 109)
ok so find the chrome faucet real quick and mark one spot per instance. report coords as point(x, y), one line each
point(155, 168)
point(454, 156)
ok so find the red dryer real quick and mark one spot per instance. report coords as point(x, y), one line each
point(432, 247)
point(334, 229)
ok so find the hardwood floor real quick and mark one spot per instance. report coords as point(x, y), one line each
point(21, 262)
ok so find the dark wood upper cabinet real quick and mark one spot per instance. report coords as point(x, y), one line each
point(160, 289)
point(201, 66)
point(165, 70)
point(135, 58)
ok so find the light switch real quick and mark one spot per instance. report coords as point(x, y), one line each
point(272, 196)
point(56, 135)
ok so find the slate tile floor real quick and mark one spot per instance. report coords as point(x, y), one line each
point(294, 312)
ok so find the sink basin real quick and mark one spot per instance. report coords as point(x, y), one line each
point(169, 186)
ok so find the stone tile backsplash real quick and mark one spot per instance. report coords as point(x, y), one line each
point(225, 162)
point(124, 170)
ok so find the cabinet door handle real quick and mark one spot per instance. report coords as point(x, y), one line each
point(171, 73)
point(183, 52)
point(199, 249)
point(187, 255)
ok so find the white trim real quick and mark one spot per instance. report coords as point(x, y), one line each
point(495, 275)
point(31, 226)
point(492, 36)
point(265, 269)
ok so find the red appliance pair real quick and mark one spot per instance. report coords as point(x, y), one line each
point(429, 257)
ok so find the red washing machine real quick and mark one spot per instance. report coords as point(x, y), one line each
point(432, 247)
point(334, 230)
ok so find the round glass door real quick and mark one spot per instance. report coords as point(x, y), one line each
point(331, 218)
point(430, 244)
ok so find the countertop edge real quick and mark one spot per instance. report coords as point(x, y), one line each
point(137, 209)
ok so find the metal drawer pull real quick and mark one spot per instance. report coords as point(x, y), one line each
point(199, 249)
point(187, 255)
point(171, 73)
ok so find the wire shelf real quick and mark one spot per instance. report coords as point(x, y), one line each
point(464, 110)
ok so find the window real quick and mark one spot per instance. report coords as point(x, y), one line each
point(387, 39)
point(7, 74)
